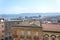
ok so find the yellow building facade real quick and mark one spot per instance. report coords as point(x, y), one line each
point(51, 35)
point(26, 31)
point(51, 31)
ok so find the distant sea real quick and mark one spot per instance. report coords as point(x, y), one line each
point(28, 14)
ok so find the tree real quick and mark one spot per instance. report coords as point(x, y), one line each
point(39, 16)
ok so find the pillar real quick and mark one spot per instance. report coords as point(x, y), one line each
point(40, 35)
point(32, 35)
point(25, 35)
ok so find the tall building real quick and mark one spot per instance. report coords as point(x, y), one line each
point(8, 25)
point(2, 26)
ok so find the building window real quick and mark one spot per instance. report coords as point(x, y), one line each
point(2, 31)
point(59, 37)
point(36, 36)
point(2, 26)
point(45, 37)
point(9, 33)
point(2, 35)
point(6, 38)
point(10, 38)
point(22, 34)
point(1, 39)
point(53, 37)
point(18, 22)
point(28, 35)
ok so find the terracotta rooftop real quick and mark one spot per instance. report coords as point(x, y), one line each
point(51, 27)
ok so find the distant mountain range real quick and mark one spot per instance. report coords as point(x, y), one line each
point(28, 14)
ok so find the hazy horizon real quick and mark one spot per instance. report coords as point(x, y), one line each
point(29, 14)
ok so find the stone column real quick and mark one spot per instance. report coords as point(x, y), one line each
point(13, 34)
point(18, 34)
point(49, 38)
point(25, 35)
point(40, 35)
point(57, 38)
point(32, 35)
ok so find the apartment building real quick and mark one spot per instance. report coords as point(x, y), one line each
point(8, 25)
point(2, 26)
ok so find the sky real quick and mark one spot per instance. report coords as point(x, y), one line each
point(29, 6)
